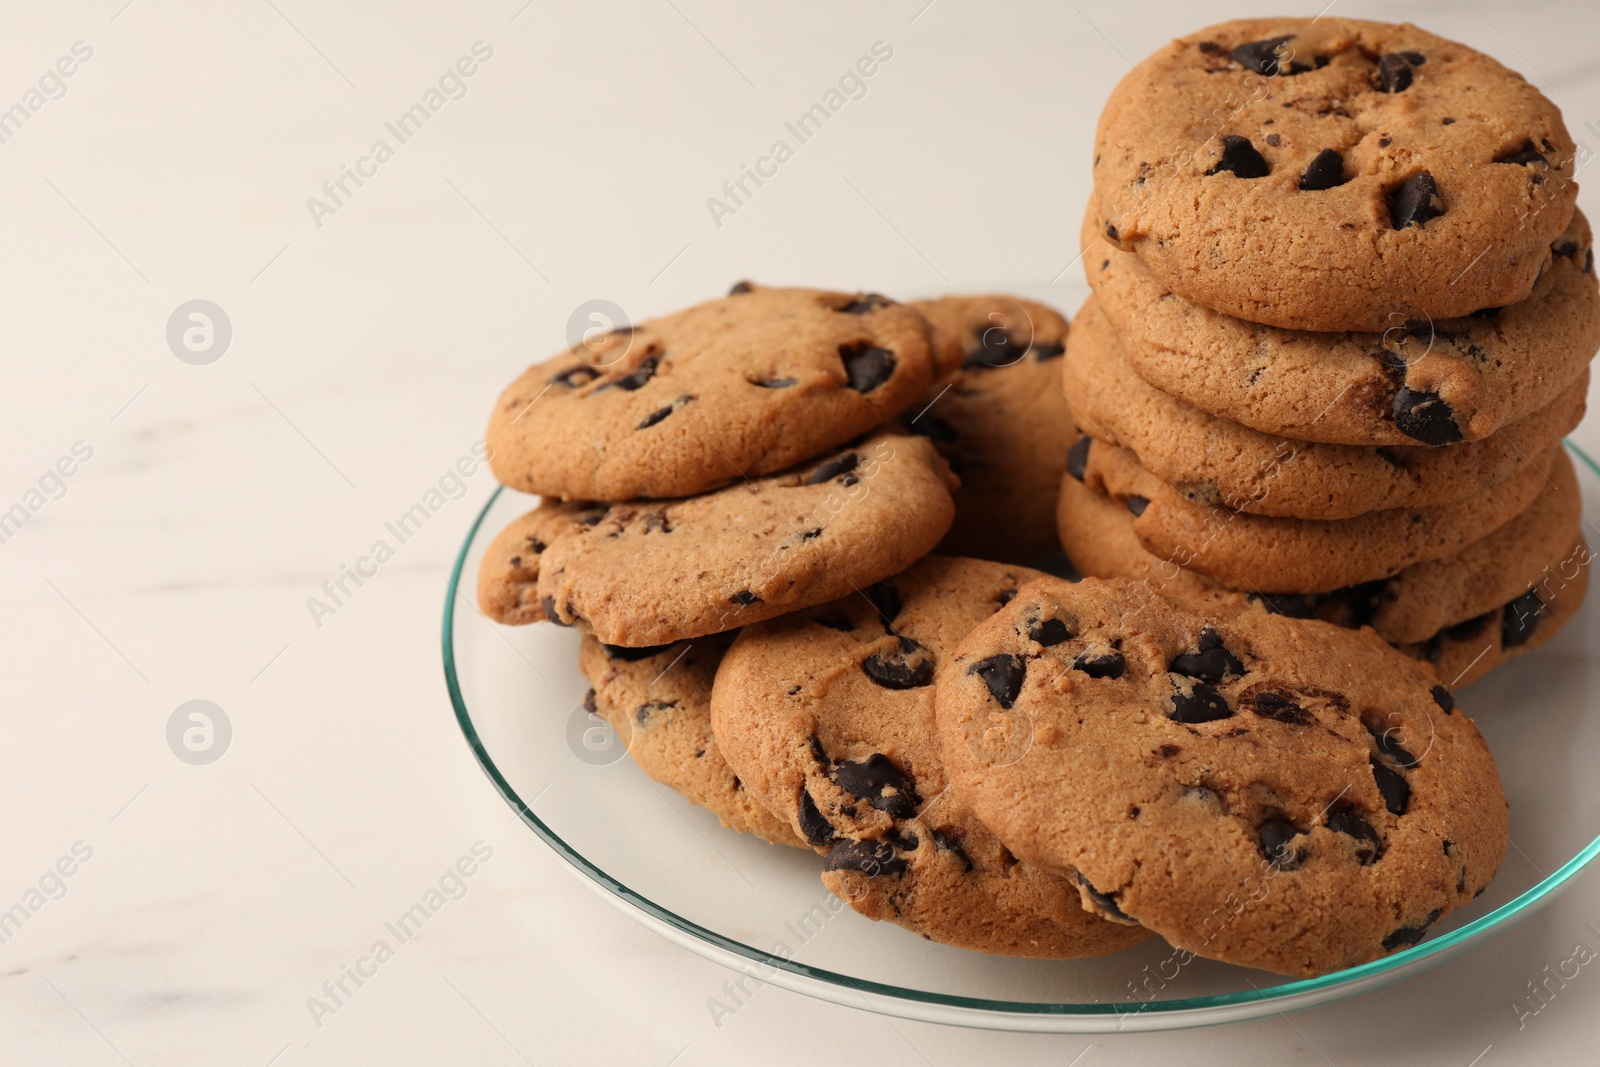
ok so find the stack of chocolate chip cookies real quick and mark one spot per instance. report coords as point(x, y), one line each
point(1312, 412)
point(1343, 313)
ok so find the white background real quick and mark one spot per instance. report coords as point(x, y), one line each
point(364, 358)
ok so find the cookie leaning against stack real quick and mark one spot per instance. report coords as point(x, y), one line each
point(1343, 312)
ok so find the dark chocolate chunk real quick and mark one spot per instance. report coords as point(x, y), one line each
point(647, 710)
point(1344, 820)
point(740, 288)
point(1136, 504)
point(744, 598)
point(573, 377)
point(589, 704)
point(637, 377)
point(1211, 663)
point(872, 858)
point(1005, 596)
point(833, 468)
point(1525, 156)
point(1392, 785)
point(866, 365)
point(656, 416)
point(1240, 158)
point(1564, 248)
point(818, 753)
point(1003, 674)
point(1416, 201)
point(907, 667)
point(880, 783)
point(549, 605)
point(815, 829)
point(1105, 901)
point(1325, 172)
point(775, 383)
point(1275, 835)
point(1200, 703)
point(1520, 618)
point(1394, 73)
point(1111, 232)
point(1392, 748)
point(1270, 704)
point(1049, 350)
point(1442, 697)
point(1416, 59)
point(1106, 665)
point(1049, 631)
point(1078, 457)
point(1407, 936)
point(947, 842)
point(1425, 416)
point(1262, 56)
point(633, 655)
point(996, 348)
point(865, 303)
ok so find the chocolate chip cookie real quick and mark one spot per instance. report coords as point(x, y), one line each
point(1422, 604)
point(726, 390)
point(1422, 381)
point(659, 702)
point(827, 715)
point(1328, 173)
point(1271, 792)
point(652, 572)
point(1217, 462)
point(1263, 552)
point(999, 418)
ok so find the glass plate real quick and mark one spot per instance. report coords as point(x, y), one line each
point(762, 910)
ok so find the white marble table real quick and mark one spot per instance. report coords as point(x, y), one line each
point(208, 502)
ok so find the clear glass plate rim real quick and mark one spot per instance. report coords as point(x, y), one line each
point(1355, 977)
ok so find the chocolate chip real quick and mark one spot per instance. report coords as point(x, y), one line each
point(740, 288)
point(1262, 56)
point(905, 842)
point(1392, 785)
point(1525, 156)
point(1211, 663)
point(886, 598)
point(1274, 705)
point(744, 598)
point(1415, 201)
point(1588, 262)
point(1409, 935)
point(656, 416)
point(1168, 751)
point(1416, 59)
point(1369, 845)
point(647, 710)
point(833, 621)
point(996, 348)
point(1078, 457)
point(815, 829)
point(880, 783)
point(633, 655)
point(1198, 702)
point(1564, 248)
point(1003, 674)
point(637, 377)
point(1111, 232)
point(1394, 73)
point(833, 468)
point(1392, 748)
point(589, 704)
point(1442, 697)
point(1005, 596)
point(1274, 140)
point(934, 429)
point(907, 667)
point(1106, 665)
point(949, 843)
point(549, 605)
point(1049, 632)
point(872, 858)
point(573, 377)
point(1425, 416)
point(1275, 835)
point(1240, 158)
point(1105, 901)
point(861, 305)
point(775, 383)
point(1520, 618)
point(1325, 172)
point(866, 365)
point(1136, 504)
point(1049, 350)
